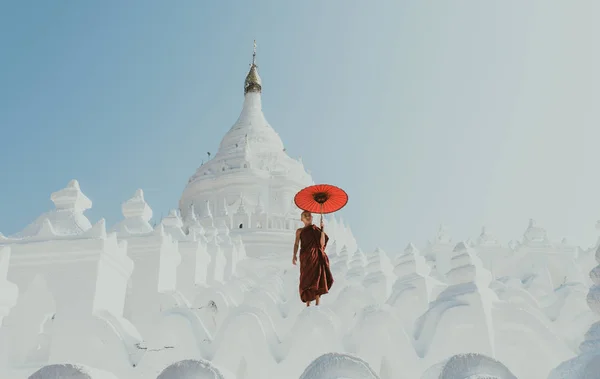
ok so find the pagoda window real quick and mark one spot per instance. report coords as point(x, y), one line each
point(241, 226)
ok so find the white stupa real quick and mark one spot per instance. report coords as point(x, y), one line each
point(251, 164)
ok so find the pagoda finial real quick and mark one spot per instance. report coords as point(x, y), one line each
point(253, 82)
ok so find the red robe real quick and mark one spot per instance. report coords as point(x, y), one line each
point(315, 275)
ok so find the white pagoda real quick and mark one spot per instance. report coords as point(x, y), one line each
point(251, 180)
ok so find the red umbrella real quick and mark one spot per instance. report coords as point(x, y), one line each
point(321, 198)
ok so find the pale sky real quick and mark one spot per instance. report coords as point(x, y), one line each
point(467, 113)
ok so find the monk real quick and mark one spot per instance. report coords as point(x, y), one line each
point(315, 275)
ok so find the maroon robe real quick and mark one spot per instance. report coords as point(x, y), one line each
point(315, 275)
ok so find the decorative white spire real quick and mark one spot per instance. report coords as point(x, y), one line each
point(222, 228)
point(241, 209)
point(462, 269)
point(137, 215)
point(66, 220)
point(378, 260)
point(192, 225)
point(190, 217)
point(259, 207)
point(358, 259)
point(71, 198)
point(535, 235)
point(356, 266)
point(137, 207)
point(207, 211)
point(486, 239)
point(172, 220)
point(408, 255)
point(405, 263)
point(224, 211)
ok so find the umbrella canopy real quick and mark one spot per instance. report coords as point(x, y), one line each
point(321, 198)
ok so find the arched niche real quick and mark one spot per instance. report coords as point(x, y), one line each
point(585, 366)
point(470, 366)
point(70, 371)
point(335, 365)
point(191, 369)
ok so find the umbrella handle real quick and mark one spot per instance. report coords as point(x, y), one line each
point(322, 232)
point(321, 212)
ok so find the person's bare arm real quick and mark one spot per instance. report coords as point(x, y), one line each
point(296, 246)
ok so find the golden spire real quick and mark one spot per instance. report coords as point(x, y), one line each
point(253, 83)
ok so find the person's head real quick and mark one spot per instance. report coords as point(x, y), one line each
point(306, 217)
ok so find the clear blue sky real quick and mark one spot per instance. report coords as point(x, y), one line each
point(462, 112)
